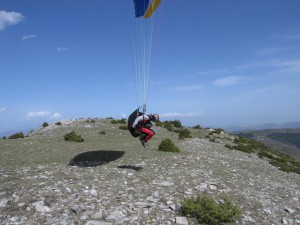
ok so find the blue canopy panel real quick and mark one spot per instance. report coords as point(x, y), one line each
point(145, 8)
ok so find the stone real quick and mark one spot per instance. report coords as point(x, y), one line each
point(97, 215)
point(3, 202)
point(94, 192)
point(181, 220)
point(289, 210)
point(77, 209)
point(40, 207)
point(116, 216)
point(94, 222)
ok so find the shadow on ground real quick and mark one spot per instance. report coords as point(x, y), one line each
point(95, 158)
point(136, 168)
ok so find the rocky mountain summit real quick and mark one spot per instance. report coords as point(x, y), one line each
point(111, 179)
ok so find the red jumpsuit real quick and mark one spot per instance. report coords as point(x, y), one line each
point(144, 122)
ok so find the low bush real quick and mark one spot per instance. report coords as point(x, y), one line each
point(216, 131)
point(72, 136)
point(123, 127)
point(58, 123)
point(208, 211)
point(102, 132)
point(16, 136)
point(184, 133)
point(197, 127)
point(90, 121)
point(122, 121)
point(167, 145)
point(45, 124)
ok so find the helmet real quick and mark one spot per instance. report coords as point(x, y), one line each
point(155, 117)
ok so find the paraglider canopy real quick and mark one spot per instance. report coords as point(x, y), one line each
point(145, 8)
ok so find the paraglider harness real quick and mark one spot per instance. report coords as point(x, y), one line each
point(136, 132)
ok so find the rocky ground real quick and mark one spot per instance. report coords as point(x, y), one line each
point(147, 186)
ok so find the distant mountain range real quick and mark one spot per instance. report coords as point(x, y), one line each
point(240, 127)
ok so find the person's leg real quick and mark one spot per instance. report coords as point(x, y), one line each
point(148, 132)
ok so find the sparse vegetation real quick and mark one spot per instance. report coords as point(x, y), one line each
point(284, 162)
point(102, 132)
point(123, 127)
point(168, 146)
point(72, 136)
point(122, 121)
point(16, 136)
point(293, 138)
point(45, 124)
point(167, 125)
point(90, 121)
point(184, 133)
point(197, 127)
point(207, 211)
point(216, 131)
point(58, 123)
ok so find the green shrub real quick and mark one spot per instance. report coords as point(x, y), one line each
point(197, 127)
point(216, 131)
point(184, 133)
point(208, 211)
point(72, 136)
point(102, 132)
point(176, 123)
point(122, 121)
point(158, 123)
point(167, 145)
point(16, 136)
point(58, 123)
point(123, 127)
point(45, 124)
point(113, 122)
point(229, 146)
point(90, 121)
point(262, 154)
point(167, 125)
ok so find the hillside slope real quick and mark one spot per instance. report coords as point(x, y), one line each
point(284, 140)
point(133, 185)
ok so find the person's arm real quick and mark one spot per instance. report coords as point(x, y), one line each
point(139, 119)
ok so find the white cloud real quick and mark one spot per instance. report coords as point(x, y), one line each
point(176, 114)
point(26, 37)
point(123, 115)
point(38, 114)
point(288, 67)
point(9, 18)
point(228, 81)
point(188, 88)
point(294, 37)
point(272, 50)
point(56, 115)
point(3, 109)
point(61, 49)
point(42, 114)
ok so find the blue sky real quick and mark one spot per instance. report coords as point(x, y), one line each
point(214, 63)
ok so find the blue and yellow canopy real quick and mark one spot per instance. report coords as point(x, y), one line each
point(145, 8)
